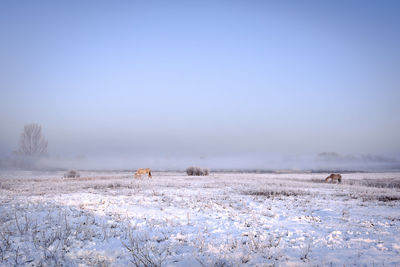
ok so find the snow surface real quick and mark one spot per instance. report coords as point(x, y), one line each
point(225, 219)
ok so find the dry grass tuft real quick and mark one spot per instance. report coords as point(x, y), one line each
point(72, 174)
point(278, 193)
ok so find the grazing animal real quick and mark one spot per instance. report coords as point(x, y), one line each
point(333, 177)
point(141, 171)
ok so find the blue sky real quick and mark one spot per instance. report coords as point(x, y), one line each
point(202, 78)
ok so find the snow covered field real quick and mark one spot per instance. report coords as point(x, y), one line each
point(225, 219)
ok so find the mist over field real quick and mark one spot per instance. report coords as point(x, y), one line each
point(243, 163)
point(199, 133)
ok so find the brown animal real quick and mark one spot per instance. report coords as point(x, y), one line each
point(333, 177)
point(141, 171)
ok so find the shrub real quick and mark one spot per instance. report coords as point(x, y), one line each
point(72, 174)
point(197, 171)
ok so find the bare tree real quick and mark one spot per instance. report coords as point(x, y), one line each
point(32, 142)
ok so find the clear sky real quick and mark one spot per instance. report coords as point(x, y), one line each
point(201, 78)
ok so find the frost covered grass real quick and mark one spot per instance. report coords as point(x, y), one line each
point(224, 219)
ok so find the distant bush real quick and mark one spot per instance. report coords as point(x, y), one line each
point(72, 174)
point(197, 171)
point(277, 193)
point(388, 198)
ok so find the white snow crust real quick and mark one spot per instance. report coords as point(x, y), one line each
point(225, 219)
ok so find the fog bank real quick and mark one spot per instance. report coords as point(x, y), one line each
point(321, 162)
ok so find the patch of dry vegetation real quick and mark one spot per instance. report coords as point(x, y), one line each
point(277, 193)
point(72, 174)
point(380, 183)
point(377, 183)
point(197, 171)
